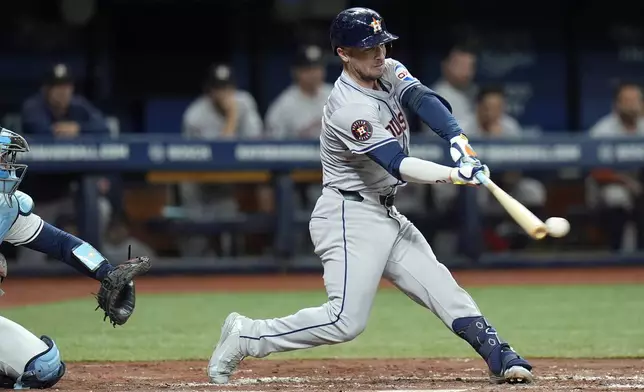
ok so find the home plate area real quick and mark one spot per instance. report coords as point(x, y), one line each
point(436, 375)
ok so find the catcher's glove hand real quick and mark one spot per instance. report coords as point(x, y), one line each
point(116, 295)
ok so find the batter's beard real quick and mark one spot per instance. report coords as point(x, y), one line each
point(362, 77)
point(367, 77)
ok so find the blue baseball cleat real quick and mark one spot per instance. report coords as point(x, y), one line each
point(514, 369)
point(504, 363)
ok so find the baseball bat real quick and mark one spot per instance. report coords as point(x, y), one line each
point(521, 215)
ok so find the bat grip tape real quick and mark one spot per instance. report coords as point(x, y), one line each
point(482, 178)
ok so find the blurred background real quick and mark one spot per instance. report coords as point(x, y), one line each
point(104, 90)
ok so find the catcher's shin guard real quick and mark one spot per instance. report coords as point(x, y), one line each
point(6, 382)
point(44, 370)
point(117, 295)
point(504, 363)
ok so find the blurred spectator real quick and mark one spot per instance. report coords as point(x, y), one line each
point(118, 239)
point(306, 97)
point(619, 194)
point(223, 111)
point(57, 111)
point(627, 117)
point(491, 121)
point(456, 84)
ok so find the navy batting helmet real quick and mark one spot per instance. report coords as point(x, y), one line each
point(359, 28)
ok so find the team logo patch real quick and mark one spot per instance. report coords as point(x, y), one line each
point(361, 130)
point(403, 74)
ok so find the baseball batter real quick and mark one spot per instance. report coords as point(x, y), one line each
point(26, 361)
point(355, 227)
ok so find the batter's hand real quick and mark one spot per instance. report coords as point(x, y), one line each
point(466, 174)
point(462, 152)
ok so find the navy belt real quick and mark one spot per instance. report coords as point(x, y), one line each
point(386, 201)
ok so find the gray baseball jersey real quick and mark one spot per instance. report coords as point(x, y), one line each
point(296, 115)
point(202, 121)
point(356, 120)
point(613, 194)
point(610, 126)
point(358, 239)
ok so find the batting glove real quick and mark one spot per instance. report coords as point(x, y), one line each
point(462, 152)
point(466, 173)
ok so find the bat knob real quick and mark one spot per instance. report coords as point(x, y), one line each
point(540, 233)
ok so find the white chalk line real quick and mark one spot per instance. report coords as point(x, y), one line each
point(424, 390)
point(356, 380)
point(200, 385)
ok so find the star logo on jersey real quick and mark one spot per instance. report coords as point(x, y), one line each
point(377, 28)
point(361, 130)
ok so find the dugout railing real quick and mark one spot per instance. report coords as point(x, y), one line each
point(282, 164)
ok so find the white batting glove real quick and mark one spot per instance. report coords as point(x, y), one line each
point(466, 173)
point(461, 151)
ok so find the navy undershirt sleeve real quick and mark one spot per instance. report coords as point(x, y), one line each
point(60, 245)
point(389, 157)
point(433, 109)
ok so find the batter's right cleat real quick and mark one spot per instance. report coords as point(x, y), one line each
point(515, 370)
point(228, 353)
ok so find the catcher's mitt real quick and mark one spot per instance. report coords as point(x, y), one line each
point(116, 295)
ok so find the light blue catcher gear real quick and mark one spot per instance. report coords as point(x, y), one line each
point(11, 173)
point(12, 201)
point(19, 203)
point(44, 370)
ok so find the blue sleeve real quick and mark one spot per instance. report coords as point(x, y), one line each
point(35, 118)
point(95, 122)
point(433, 109)
point(389, 157)
point(71, 250)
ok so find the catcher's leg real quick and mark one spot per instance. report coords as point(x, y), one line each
point(414, 269)
point(116, 295)
point(26, 361)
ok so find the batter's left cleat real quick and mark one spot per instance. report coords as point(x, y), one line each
point(228, 353)
point(515, 370)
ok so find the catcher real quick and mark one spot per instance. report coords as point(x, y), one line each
point(26, 361)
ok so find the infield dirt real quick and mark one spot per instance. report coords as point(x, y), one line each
point(336, 374)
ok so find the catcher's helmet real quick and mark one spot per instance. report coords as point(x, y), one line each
point(359, 28)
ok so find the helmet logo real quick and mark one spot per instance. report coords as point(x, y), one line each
point(375, 25)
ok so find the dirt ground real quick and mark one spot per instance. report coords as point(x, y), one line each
point(438, 375)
